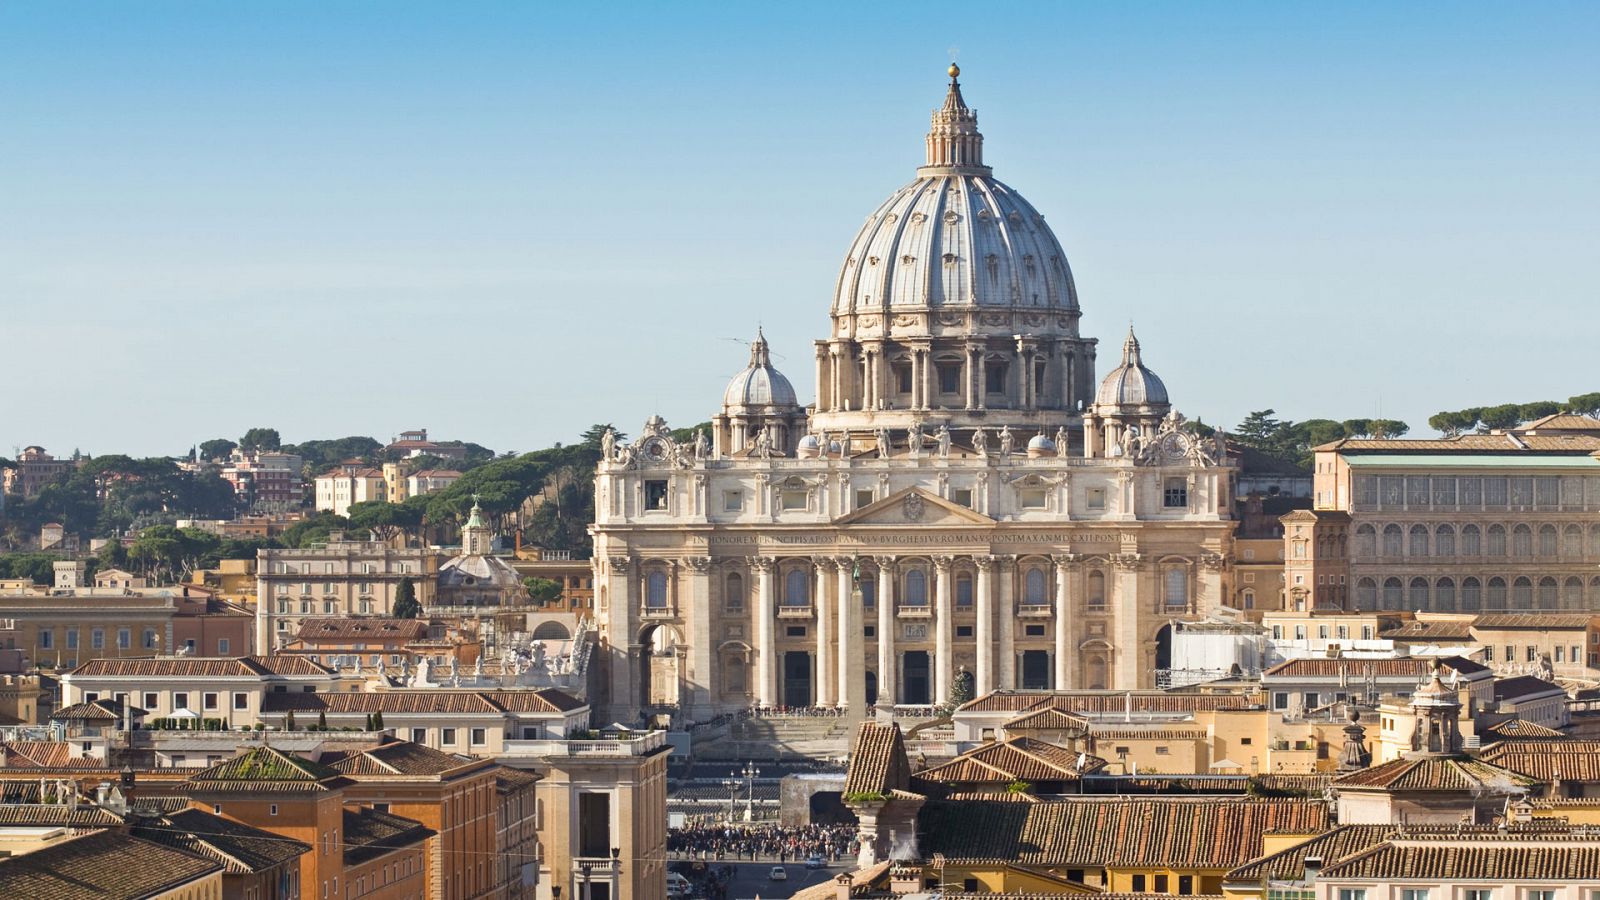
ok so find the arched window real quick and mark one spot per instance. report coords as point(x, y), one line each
point(1572, 542)
point(1548, 593)
point(1033, 587)
point(1522, 541)
point(1419, 540)
point(1494, 598)
point(655, 590)
point(1444, 541)
point(1594, 590)
point(1549, 543)
point(1366, 594)
point(1522, 594)
point(1393, 540)
point(796, 588)
point(1393, 594)
point(735, 674)
point(916, 588)
point(1471, 541)
point(1444, 595)
point(1471, 595)
point(1496, 545)
point(1418, 594)
point(1594, 541)
point(1366, 542)
point(869, 592)
point(1249, 600)
point(733, 592)
point(1177, 587)
point(964, 589)
point(1572, 593)
point(1097, 589)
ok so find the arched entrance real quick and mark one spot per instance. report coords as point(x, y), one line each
point(551, 631)
point(1035, 670)
point(1164, 647)
point(658, 666)
point(872, 688)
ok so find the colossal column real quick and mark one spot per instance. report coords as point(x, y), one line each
point(852, 692)
point(944, 644)
point(1066, 568)
point(702, 692)
point(623, 602)
point(886, 621)
point(823, 694)
point(766, 639)
point(1008, 623)
point(985, 630)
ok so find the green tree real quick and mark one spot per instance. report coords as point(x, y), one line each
point(261, 439)
point(1260, 430)
point(322, 720)
point(1389, 428)
point(377, 720)
point(1538, 410)
point(217, 448)
point(313, 529)
point(542, 590)
point(1451, 424)
point(1506, 415)
point(405, 600)
point(288, 721)
point(387, 520)
point(1585, 404)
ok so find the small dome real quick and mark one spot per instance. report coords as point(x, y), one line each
point(759, 385)
point(1040, 442)
point(1131, 384)
point(809, 447)
point(1434, 693)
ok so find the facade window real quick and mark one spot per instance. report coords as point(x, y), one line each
point(419, 735)
point(1095, 498)
point(902, 378)
point(949, 377)
point(1548, 541)
point(223, 646)
point(1415, 893)
point(1419, 540)
point(208, 700)
point(962, 496)
point(1471, 540)
point(1034, 593)
point(655, 590)
point(1481, 894)
point(180, 700)
point(72, 638)
point(994, 375)
point(916, 588)
point(655, 494)
point(1392, 540)
point(241, 700)
point(1175, 495)
point(1352, 894)
point(124, 638)
point(733, 597)
point(1175, 590)
point(151, 700)
point(1097, 590)
point(479, 737)
point(1522, 541)
point(964, 590)
point(1444, 541)
point(47, 639)
point(1033, 498)
point(863, 498)
point(796, 588)
point(732, 501)
point(149, 639)
point(792, 501)
point(447, 737)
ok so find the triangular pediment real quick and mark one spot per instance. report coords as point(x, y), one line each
point(914, 507)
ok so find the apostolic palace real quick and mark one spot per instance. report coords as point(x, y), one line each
point(963, 502)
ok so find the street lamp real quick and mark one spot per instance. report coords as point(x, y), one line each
point(750, 773)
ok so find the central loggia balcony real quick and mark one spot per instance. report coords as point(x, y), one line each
point(796, 611)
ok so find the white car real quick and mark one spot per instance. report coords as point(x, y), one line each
point(778, 873)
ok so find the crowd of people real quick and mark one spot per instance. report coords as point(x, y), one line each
point(709, 841)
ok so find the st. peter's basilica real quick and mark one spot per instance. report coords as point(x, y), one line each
point(962, 502)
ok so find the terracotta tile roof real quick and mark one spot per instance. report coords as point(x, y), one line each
point(369, 833)
point(862, 881)
point(387, 702)
point(1016, 759)
point(397, 757)
point(508, 779)
point(1104, 702)
point(1519, 729)
point(41, 754)
point(57, 815)
point(542, 700)
point(199, 667)
point(1468, 443)
point(1205, 833)
point(1534, 621)
point(1477, 858)
point(1433, 773)
point(1567, 760)
point(1147, 734)
point(106, 864)
point(878, 762)
point(267, 769)
point(1430, 631)
point(1047, 719)
point(1523, 686)
point(346, 629)
point(240, 848)
point(1397, 666)
point(93, 711)
point(1348, 840)
point(1568, 421)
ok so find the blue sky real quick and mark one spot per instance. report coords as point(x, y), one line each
point(505, 221)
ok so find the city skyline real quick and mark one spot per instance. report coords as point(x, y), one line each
point(326, 220)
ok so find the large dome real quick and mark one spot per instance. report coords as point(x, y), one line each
point(957, 238)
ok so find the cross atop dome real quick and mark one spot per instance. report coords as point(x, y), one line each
point(954, 141)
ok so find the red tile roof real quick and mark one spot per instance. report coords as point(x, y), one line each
point(106, 864)
point(1479, 858)
point(878, 762)
point(1016, 759)
point(1433, 773)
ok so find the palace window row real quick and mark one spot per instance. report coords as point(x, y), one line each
point(1548, 540)
point(1473, 594)
point(1450, 492)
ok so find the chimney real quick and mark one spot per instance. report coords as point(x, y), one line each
point(841, 886)
point(905, 877)
point(1313, 869)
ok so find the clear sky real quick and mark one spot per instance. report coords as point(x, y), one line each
point(506, 221)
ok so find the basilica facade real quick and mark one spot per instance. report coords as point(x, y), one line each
point(963, 506)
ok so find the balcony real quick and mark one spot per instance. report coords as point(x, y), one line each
point(618, 747)
point(796, 612)
point(1034, 610)
point(914, 612)
point(658, 612)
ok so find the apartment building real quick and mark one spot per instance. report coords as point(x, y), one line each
point(338, 578)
